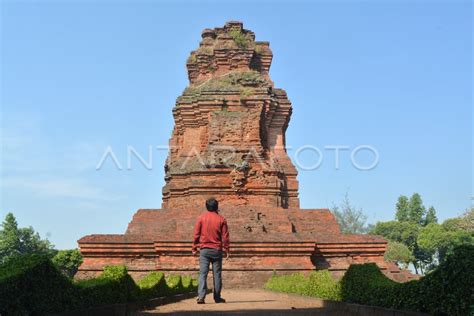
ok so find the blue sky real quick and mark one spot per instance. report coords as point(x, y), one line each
point(80, 76)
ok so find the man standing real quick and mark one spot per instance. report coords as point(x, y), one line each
point(212, 235)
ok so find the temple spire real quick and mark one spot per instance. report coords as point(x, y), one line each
point(230, 123)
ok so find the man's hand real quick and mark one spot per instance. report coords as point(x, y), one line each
point(194, 252)
point(227, 255)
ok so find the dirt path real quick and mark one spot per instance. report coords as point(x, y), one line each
point(248, 302)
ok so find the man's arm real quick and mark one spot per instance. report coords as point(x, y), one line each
point(225, 238)
point(197, 235)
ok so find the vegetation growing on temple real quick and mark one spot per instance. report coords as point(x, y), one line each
point(231, 81)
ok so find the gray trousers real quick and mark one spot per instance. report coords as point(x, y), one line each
point(207, 256)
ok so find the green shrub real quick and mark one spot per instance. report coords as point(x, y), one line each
point(153, 285)
point(113, 286)
point(100, 291)
point(450, 287)
point(175, 286)
point(239, 38)
point(191, 59)
point(290, 283)
point(68, 261)
point(31, 284)
point(319, 284)
point(245, 92)
point(322, 285)
point(407, 296)
point(446, 290)
point(124, 281)
point(233, 81)
point(187, 282)
point(365, 284)
point(114, 272)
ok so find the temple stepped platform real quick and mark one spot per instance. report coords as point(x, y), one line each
point(263, 241)
point(228, 142)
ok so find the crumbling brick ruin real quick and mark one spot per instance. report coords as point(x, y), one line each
point(228, 142)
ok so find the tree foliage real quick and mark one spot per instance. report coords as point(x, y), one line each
point(439, 241)
point(416, 209)
point(16, 241)
point(68, 261)
point(402, 214)
point(430, 216)
point(418, 229)
point(350, 219)
point(399, 253)
point(465, 222)
point(412, 210)
point(403, 232)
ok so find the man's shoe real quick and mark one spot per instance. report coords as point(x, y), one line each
point(200, 301)
point(219, 300)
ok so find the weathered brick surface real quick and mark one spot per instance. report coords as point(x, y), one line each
point(228, 142)
point(229, 136)
point(263, 240)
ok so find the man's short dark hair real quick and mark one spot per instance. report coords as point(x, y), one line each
point(212, 204)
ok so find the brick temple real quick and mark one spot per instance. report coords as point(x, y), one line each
point(228, 142)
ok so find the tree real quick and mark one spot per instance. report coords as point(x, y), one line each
point(403, 232)
point(413, 210)
point(467, 221)
point(350, 219)
point(15, 241)
point(407, 234)
point(399, 253)
point(9, 238)
point(402, 214)
point(420, 232)
point(416, 210)
point(452, 224)
point(430, 216)
point(68, 261)
point(464, 222)
point(410, 216)
point(439, 241)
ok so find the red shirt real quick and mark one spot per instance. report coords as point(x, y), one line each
point(211, 231)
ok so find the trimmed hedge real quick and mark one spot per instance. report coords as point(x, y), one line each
point(187, 282)
point(153, 285)
point(289, 283)
point(33, 285)
point(174, 284)
point(100, 291)
point(319, 284)
point(447, 290)
point(113, 286)
point(366, 284)
point(126, 284)
point(450, 288)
